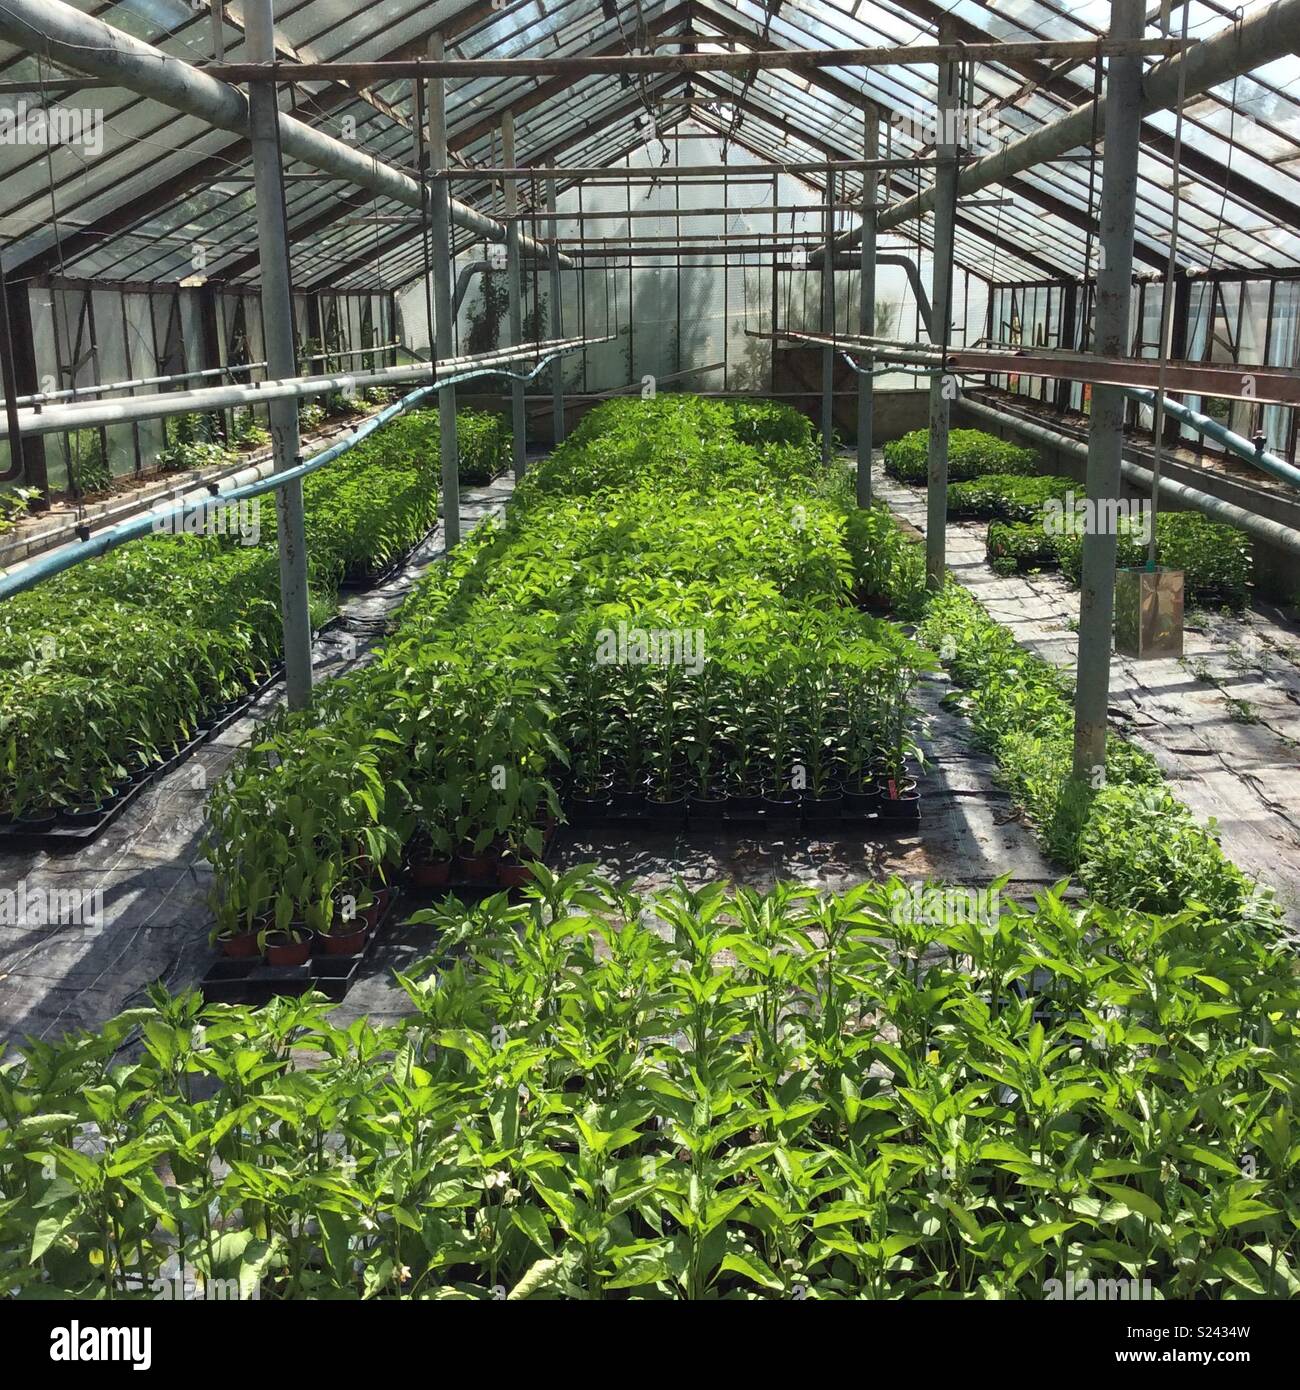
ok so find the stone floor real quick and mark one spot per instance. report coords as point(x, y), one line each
point(1223, 721)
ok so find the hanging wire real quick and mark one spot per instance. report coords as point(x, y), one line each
point(1167, 298)
point(421, 170)
point(1092, 207)
point(1237, 17)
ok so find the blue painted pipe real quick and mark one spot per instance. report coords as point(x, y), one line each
point(1235, 443)
point(45, 567)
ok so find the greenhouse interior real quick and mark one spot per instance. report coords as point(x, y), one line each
point(650, 651)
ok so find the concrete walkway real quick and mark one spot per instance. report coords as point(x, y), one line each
point(1223, 721)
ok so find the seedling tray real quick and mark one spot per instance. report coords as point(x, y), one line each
point(253, 982)
point(63, 836)
point(360, 583)
point(760, 822)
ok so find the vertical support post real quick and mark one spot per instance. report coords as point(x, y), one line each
point(556, 323)
point(218, 9)
point(1106, 431)
point(9, 383)
point(519, 420)
point(867, 299)
point(776, 293)
point(828, 319)
point(440, 235)
point(1069, 312)
point(281, 355)
point(945, 217)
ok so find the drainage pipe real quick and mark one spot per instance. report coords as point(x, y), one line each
point(1213, 429)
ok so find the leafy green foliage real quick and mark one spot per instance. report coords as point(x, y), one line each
point(700, 1096)
point(1007, 496)
point(1131, 842)
point(1214, 557)
point(89, 470)
point(484, 442)
point(14, 504)
point(107, 666)
point(1012, 546)
point(971, 454)
point(770, 422)
point(505, 680)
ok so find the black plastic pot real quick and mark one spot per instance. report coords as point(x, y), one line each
point(904, 809)
point(629, 803)
point(37, 820)
point(781, 808)
point(706, 810)
point(824, 810)
point(743, 806)
point(665, 815)
point(588, 810)
point(859, 804)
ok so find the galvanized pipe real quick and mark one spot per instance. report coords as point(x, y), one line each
point(443, 314)
point(867, 302)
point(743, 61)
point(16, 470)
point(65, 36)
point(1260, 38)
point(58, 419)
point(1119, 176)
point(851, 260)
point(828, 330)
point(1261, 528)
point(514, 292)
point(170, 517)
point(72, 393)
point(281, 358)
point(467, 272)
point(945, 225)
point(1235, 443)
point(557, 322)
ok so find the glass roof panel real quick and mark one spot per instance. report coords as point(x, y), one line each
point(1239, 179)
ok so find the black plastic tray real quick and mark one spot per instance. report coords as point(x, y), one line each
point(252, 981)
point(362, 583)
point(61, 835)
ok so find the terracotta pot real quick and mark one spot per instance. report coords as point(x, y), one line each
point(431, 873)
point(512, 874)
point(240, 945)
point(288, 951)
point(347, 943)
point(477, 868)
